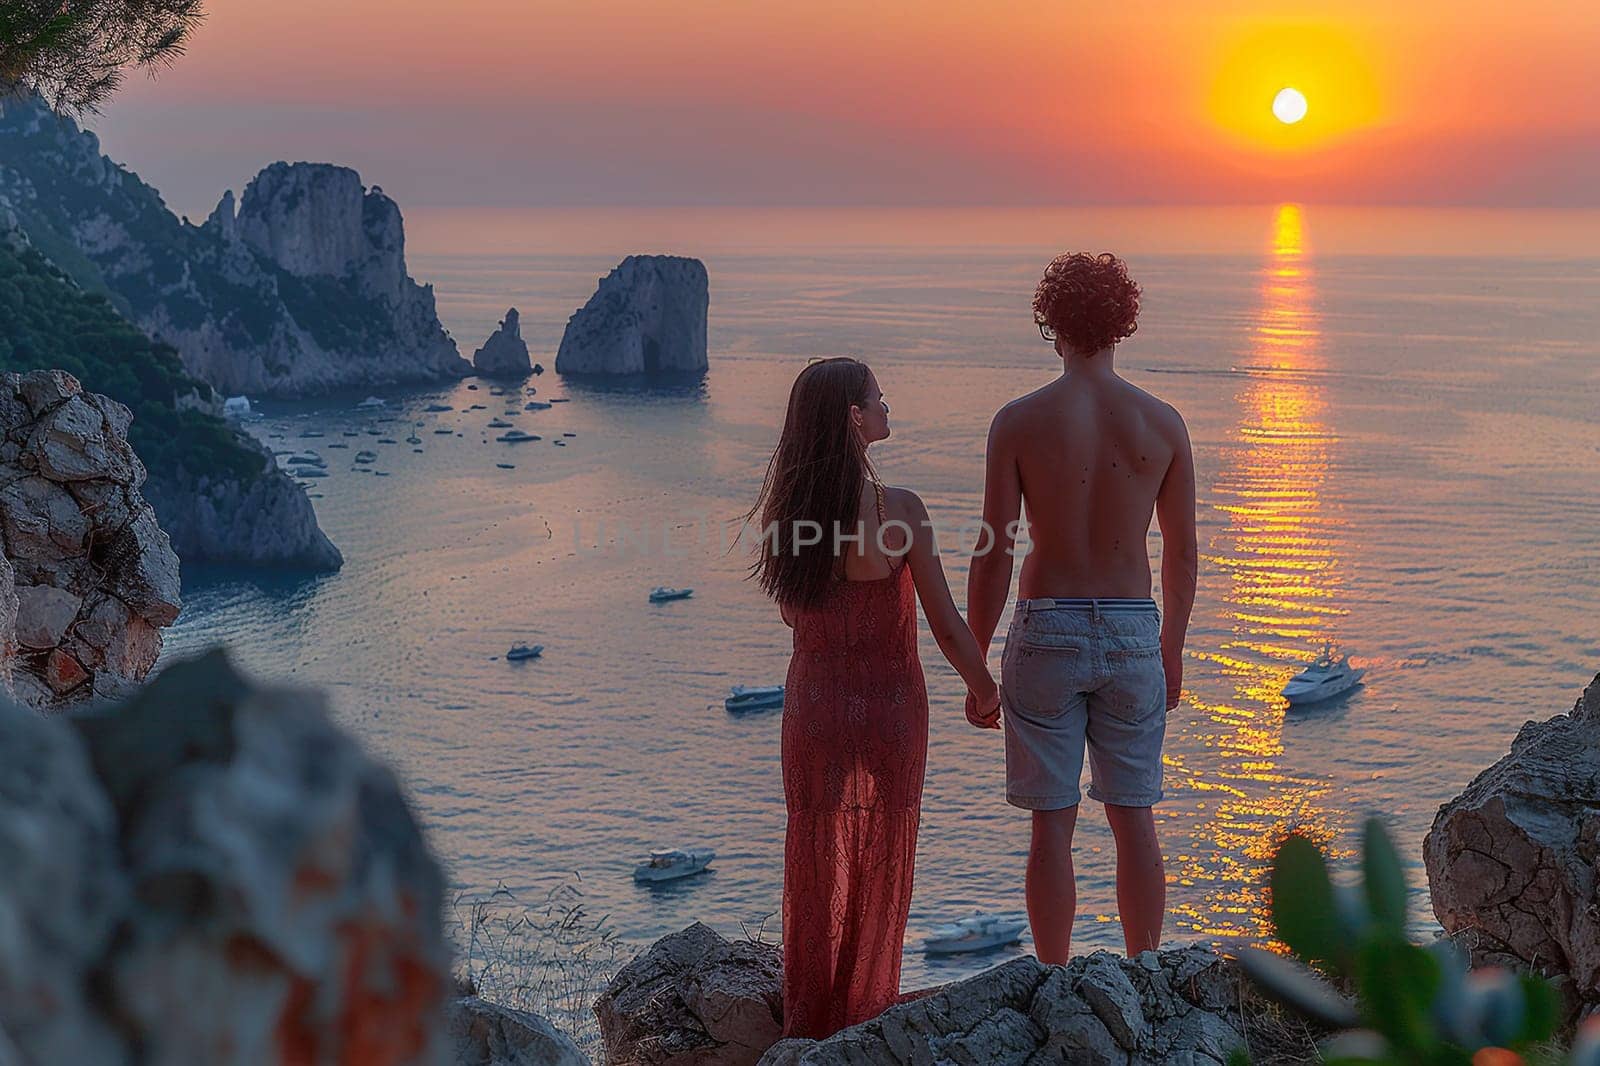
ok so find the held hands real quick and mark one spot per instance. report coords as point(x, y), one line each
point(983, 705)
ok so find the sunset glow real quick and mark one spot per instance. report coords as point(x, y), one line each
point(489, 102)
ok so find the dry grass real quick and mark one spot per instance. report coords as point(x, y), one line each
point(548, 957)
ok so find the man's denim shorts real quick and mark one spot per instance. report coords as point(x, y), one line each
point(1082, 672)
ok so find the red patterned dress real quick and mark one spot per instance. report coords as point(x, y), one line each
point(855, 743)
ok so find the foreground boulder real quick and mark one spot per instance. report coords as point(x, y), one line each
point(483, 1034)
point(211, 873)
point(648, 316)
point(1180, 1006)
point(95, 577)
point(504, 354)
point(694, 999)
point(1512, 860)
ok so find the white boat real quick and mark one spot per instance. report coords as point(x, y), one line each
point(1327, 677)
point(980, 932)
point(371, 402)
point(517, 436)
point(753, 698)
point(669, 864)
point(524, 651)
point(662, 593)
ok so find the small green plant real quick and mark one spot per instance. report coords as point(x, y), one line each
point(1413, 1005)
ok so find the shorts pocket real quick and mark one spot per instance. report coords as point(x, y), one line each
point(1136, 691)
point(1040, 681)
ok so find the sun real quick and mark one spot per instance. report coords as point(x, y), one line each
point(1289, 106)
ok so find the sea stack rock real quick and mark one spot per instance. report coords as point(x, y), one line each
point(648, 316)
point(96, 578)
point(504, 355)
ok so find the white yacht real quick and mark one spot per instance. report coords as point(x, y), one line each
point(977, 933)
point(753, 698)
point(662, 593)
point(1329, 676)
point(669, 864)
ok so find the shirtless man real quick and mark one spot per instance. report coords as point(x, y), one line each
point(1088, 658)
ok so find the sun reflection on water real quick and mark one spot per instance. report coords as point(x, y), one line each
point(1279, 554)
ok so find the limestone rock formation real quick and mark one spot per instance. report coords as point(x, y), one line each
point(303, 290)
point(504, 355)
point(1176, 1006)
point(96, 579)
point(483, 1034)
point(266, 521)
point(215, 489)
point(648, 316)
point(694, 998)
point(212, 873)
point(1512, 860)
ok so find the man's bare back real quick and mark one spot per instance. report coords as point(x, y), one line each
point(1092, 452)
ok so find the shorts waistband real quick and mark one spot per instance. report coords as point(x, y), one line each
point(1095, 605)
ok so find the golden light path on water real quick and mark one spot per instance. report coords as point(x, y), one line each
point(1279, 554)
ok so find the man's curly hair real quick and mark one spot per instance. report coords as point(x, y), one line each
point(1086, 300)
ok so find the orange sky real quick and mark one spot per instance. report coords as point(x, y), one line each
point(492, 102)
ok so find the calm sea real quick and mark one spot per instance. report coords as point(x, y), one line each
point(1394, 415)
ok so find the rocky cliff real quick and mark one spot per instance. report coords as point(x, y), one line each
point(215, 489)
point(648, 316)
point(95, 578)
point(213, 516)
point(302, 290)
point(1514, 861)
point(504, 355)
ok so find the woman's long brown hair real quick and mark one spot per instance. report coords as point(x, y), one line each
point(815, 475)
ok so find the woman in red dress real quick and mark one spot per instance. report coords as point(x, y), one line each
point(845, 558)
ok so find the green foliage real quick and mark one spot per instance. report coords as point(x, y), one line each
point(1413, 1006)
point(74, 52)
point(46, 322)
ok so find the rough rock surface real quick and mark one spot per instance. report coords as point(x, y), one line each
point(694, 999)
point(211, 873)
point(1512, 860)
point(483, 1034)
point(1179, 1006)
point(302, 290)
point(647, 316)
point(504, 355)
point(217, 518)
point(8, 624)
point(95, 577)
